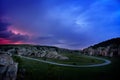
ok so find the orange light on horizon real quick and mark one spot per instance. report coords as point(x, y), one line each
point(19, 42)
point(6, 41)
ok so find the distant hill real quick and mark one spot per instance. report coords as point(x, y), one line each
point(114, 41)
point(106, 48)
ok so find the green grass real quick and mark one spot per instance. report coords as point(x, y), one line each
point(41, 71)
point(75, 60)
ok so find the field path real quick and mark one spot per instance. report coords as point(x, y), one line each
point(106, 62)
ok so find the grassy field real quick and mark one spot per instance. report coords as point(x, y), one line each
point(74, 60)
point(41, 71)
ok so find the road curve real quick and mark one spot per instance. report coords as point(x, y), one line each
point(106, 62)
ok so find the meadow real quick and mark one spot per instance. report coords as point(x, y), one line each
point(35, 70)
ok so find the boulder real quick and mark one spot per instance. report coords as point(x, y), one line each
point(8, 68)
point(5, 60)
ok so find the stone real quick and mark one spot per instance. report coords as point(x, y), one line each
point(33, 51)
point(8, 68)
point(103, 51)
point(5, 60)
point(11, 73)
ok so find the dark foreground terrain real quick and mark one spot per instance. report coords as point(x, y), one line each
point(41, 71)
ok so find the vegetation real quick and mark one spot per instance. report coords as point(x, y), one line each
point(42, 71)
point(74, 59)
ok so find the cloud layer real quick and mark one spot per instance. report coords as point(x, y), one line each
point(7, 36)
point(71, 24)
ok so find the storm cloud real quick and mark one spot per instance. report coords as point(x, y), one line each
point(70, 24)
point(9, 35)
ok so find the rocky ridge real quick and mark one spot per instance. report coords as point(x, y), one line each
point(35, 51)
point(107, 48)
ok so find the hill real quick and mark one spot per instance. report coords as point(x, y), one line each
point(114, 41)
point(36, 51)
point(106, 48)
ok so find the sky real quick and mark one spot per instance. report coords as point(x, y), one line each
point(72, 24)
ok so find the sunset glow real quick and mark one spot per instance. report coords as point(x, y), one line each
point(19, 43)
point(79, 23)
point(5, 41)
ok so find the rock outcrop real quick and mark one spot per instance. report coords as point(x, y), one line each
point(8, 68)
point(46, 53)
point(35, 51)
point(107, 48)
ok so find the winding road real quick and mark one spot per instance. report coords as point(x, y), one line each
point(106, 62)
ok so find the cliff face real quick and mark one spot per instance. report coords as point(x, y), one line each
point(106, 48)
point(41, 52)
point(103, 51)
point(8, 68)
point(35, 51)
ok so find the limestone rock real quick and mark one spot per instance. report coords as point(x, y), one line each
point(47, 52)
point(8, 68)
point(5, 60)
point(103, 51)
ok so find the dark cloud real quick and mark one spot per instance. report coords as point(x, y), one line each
point(5, 34)
point(19, 37)
point(72, 23)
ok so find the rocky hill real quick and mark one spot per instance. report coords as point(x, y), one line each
point(107, 48)
point(36, 51)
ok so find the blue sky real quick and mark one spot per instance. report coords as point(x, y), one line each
point(73, 24)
